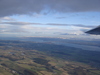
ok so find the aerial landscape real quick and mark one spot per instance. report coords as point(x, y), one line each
point(50, 37)
point(47, 58)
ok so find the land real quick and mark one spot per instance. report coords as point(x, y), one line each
point(32, 58)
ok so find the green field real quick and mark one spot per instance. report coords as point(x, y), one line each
point(30, 58)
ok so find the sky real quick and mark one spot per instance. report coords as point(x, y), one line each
point(49, 18)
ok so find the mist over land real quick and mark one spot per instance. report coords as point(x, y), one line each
point(85, 44)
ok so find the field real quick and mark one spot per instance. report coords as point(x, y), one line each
point(31, 58)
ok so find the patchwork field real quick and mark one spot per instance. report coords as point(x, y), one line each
point(31, 58)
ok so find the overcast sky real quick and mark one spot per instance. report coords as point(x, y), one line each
point(48, 18)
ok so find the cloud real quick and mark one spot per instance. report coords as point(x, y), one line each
point(11, 29)
point(57, 24)
point(20, 23)
point(52, 24)
point(73, 32)
point(78, 25)
point(7, 19)
point(60, 17)
point(56, 30)
point(13, 7)
point(30, 30)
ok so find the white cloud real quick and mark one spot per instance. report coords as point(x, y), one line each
point(7, 19)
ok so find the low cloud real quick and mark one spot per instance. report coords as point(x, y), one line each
point(52, 24)
point(7, 19)
point(20, 23)
point(60, 17)
point(31, 28)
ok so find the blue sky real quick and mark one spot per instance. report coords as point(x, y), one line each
point(44, 18)
point(85, 18)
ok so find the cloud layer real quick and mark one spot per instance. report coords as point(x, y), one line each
point(13, 27)
point(51, 24)
point(13, 7)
